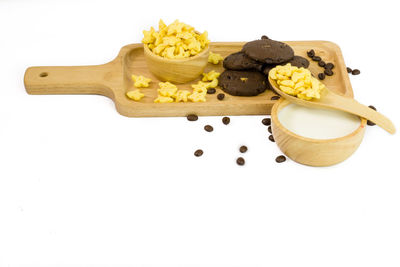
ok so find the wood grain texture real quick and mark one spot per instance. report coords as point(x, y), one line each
point(314, 152)
point(113, 80)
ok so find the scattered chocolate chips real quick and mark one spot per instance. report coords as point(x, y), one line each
point(321, 63)
point(269, 129)
point(275, 97)
point(243, 149)
point(211, 91)
point(328, 72)
point(198, 153)
point(192, 117)
point(321, 76)
point(271, 138)
point(316, 58)
point(349, 70)
point(220, 96)
point(370, 123)
point(329, 66)
point(266, 121)
point(311, 53)
point(280, 159)
point(240, 161)
point(226, 120)
point(208, 128)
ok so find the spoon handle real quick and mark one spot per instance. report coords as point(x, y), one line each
point(352, 106)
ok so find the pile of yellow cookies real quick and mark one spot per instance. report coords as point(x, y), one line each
point(168, 92)
point(177, 40)
point(297, 81)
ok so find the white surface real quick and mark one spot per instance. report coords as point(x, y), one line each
point(80, 184)
point(317, 123)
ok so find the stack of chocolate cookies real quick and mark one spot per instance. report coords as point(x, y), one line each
point(247, 71)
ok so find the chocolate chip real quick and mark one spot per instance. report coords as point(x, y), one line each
point(321, 76)
point(240, 161)
point(280, 159)
point(321, 63)
point(329, 66)
point(370, 123)
point(192, 117)
point(211, 91)
point(208, 128)
point(264, 37)
point(356, 72)
point(269, 129)
point(316, 58)
point(311, 53)
point(220, 96)
point(271, 138)
point(198, 153)
point(226, 120)
point(328, 72)
point(243, 149)
point(349, 70)
point(266, 121)
point(275, 97)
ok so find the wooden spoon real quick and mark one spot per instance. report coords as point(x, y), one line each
point(331, 100)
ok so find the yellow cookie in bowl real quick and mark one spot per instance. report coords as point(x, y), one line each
point(176, 53)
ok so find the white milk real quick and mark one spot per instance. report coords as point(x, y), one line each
point(317, 123)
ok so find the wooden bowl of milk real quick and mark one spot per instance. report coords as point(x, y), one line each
point(315, 137)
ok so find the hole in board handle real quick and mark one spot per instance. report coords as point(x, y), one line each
point(43, 74)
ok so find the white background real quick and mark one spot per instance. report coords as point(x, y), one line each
point(81, 184)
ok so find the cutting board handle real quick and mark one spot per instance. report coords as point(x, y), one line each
point(66, 80)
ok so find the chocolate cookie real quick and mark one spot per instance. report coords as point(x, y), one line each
point(239, 61)
point(268, 51)
point(297, 61)
point(242, 83)
point(268, 67)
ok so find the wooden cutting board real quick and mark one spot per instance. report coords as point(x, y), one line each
point(113, 80)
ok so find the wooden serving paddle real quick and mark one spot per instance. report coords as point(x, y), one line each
point(331, 100)
point(113, 80)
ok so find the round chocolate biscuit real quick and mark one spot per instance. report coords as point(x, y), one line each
point(268, 51)
point(298, 61)
point(242, 83)
point(239, 61)
point(267, 68)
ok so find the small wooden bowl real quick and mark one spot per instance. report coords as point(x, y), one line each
point(176, 70)
point(314, 152)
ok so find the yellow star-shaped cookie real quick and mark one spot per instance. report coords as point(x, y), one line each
point(140, 81)
point(135, 95)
